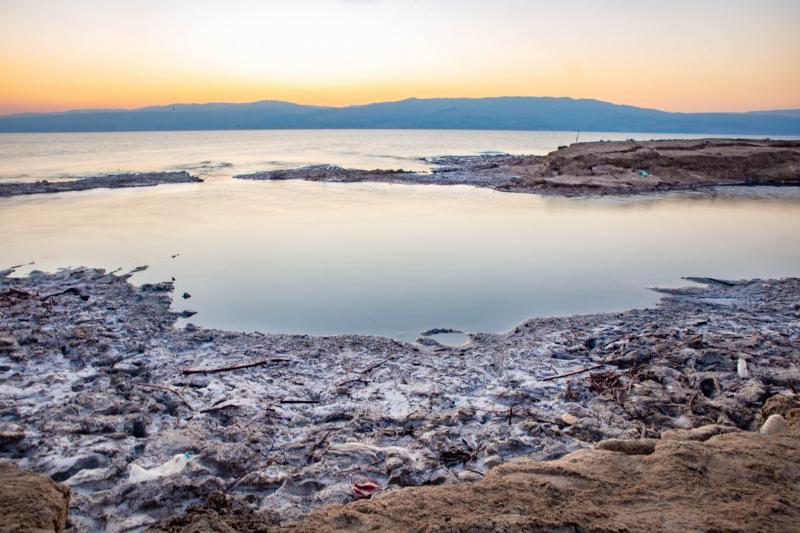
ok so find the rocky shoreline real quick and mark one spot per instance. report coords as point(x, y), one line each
point(593, 168)
point(112, 181)
point(95, 378)
point(581, 169)
point(712, 478)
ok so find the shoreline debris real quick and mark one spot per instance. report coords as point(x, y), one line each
point(283, 423)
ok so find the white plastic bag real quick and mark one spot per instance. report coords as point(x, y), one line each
point(171, 467)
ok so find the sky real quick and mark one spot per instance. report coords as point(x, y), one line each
point(676, 55)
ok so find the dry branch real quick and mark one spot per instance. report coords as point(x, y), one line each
point(187, 371)
point(568, 374)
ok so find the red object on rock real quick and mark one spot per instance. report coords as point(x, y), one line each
point(364, 487)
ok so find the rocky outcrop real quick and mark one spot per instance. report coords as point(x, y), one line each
point(712, 478)
point(633, 166)
point(595, 168)
point(331, 174)
point(31, 502)
point(115, 181)
point(708, 480)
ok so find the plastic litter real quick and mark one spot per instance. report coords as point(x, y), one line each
point(363, 487)
point(644, 173)
point(741, 369)
point(171, 467)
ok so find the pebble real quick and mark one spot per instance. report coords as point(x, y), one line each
point(469, 476)
point(492, 461)
point(8, 344)
point(569, 419)
point(774, 424)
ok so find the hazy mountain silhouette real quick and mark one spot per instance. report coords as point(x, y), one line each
point(504, 113)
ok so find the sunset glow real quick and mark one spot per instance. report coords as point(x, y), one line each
point(678, 55)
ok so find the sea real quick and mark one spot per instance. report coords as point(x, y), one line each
point(379, 259)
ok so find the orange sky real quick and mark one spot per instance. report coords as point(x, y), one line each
point(711, 55)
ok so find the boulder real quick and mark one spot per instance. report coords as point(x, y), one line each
point(31, 502)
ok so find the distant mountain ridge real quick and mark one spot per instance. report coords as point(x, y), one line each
point(499, 113)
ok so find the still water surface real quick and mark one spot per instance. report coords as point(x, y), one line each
point(395, 260)
point(373, 258)
point(219, 154)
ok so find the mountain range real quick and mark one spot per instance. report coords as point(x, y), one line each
point(501, 113)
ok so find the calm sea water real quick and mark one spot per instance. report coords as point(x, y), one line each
point(372, 258)
point(213, 154)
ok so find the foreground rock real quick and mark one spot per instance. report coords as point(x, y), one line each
point(30, 502)
point(95, 378)
point(613, 167)
point(115, 181)
point(735, 481)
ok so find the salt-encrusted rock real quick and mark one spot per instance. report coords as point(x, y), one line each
point(8, 344)
point(114, 181)
point(492, 461)
point(320, 410)
point(734, 482)
point(592, 168)
point(469, 476)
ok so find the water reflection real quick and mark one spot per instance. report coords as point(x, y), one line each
point(219, 154)
point(395, 260)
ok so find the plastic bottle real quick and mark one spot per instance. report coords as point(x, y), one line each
point(171, 467)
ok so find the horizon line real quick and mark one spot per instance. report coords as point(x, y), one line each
point(169, 104)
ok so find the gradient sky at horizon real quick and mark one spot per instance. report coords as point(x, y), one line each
point(679, 55)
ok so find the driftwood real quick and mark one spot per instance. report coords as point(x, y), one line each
point(187, 371)
point(317, 445)
point(219, 407)
point(568, 374)
point(376, 365)
point(356, 380)
point(368, 370)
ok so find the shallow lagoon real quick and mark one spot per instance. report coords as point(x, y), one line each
point(395, 259)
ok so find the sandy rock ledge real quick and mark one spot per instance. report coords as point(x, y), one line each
point(31, 502)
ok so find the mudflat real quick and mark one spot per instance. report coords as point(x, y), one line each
point(96, 378)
